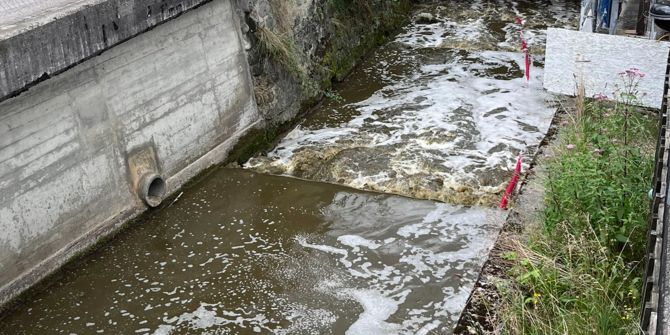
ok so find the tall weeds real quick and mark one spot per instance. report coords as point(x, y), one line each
point(580, 271)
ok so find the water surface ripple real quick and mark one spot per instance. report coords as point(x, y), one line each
point(243, 253)
point(441, 112)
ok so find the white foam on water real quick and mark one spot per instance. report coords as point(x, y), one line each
point(355, 242)
point(414, 230)
point(451, 130)
point(305, 320)
point(453, 305)
point(325, 248)
point(163, 330)
point(441, 250)
point(377, 308)
point(423, 228)
point(207, 317)
point(303, 242)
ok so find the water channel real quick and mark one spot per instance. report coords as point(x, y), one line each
point(359, 244)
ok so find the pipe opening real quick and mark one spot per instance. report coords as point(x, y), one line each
point(153, 190)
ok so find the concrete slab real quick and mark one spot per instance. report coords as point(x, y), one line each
point(599, 58)
point(17, 16)
point(40, 39)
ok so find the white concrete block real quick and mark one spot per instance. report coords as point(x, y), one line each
point(599, 59)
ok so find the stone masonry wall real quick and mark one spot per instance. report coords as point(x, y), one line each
point(298, 48)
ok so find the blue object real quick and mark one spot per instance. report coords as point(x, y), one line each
point(604, 7)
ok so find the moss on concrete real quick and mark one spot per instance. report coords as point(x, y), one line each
point(255, 141)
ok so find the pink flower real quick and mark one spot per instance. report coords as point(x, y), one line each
point(600, 97)
point(632, 73)
point(570, 146)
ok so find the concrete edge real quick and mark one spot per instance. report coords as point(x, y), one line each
point(87, 242)
point(213, 157)
point(47, 50)
point(28, 279)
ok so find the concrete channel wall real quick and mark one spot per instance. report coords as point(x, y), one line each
point(39, 39)
point(78, 151)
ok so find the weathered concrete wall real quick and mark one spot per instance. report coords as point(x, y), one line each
point(47, 37)
point(178, 95)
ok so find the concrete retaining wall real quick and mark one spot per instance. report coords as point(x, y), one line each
point(62, 33)
point(178, 96)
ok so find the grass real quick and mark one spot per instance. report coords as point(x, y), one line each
point(579, 271)
point(283, 49)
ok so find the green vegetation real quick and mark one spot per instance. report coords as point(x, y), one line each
point(283, 49)
point(580, 271)
point(351, 24)
point(355, 28)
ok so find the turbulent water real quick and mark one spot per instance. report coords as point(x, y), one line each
point(442, 112)
point(242, 253)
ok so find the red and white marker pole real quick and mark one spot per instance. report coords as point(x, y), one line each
point(524, 48)
point(512, 184)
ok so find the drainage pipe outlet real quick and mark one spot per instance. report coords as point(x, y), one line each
point(152, 189)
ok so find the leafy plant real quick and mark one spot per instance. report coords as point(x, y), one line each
point(580, 272)
point(602, 175)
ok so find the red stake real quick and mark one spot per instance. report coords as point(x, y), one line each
point(527, 65)
point(524, 48)
point(512, 184)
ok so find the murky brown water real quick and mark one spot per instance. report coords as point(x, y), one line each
point(243, 253)
point(439, 113)
point(442, 112)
